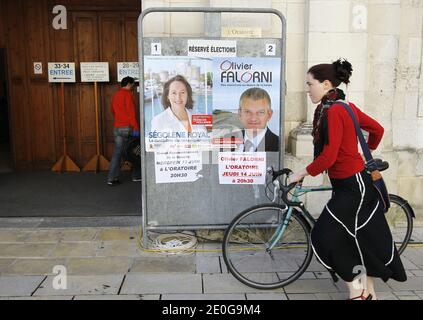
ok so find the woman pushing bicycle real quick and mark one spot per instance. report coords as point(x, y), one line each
point(351, 238)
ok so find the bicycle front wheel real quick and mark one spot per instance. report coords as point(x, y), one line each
point(400, 221)
point(256, 255)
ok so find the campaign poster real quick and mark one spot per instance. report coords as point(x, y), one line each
point(177, 103)
point(177, 167)
point(246, 104)
point(241, 168)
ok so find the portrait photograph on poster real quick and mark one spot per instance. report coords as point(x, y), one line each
point(177, 115)
point(177, 102)
point(246, 104)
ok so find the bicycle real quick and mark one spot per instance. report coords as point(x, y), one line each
point(268, 246)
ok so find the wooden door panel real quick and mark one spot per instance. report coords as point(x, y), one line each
point(72, 122)
point(131, 46)
point(108, 120)
point(41, 125)
point(103, 30)
point(62, 50)
point(131, 36)
point(41, 121)
point(2, 27)
point(112, 50)
point(85, 26)
point(111, 42)
point(118, 43)
point(19, 116)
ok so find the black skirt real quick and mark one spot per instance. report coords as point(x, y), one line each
point(352, 234)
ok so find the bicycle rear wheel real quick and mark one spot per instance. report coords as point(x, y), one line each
point(400, 221)
point(246, 247)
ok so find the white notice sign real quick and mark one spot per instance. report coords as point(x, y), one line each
point(211, 48)
point(156, 48)
point(95, 72)
point(128, 69)
point(242, 167)
point(178, 166)
point(38, 68)
point(270, 49)
point(61, 72)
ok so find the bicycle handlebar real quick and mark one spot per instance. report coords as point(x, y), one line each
point(285, 188)
point(378, 164)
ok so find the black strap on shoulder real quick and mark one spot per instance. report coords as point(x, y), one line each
point(370, 163)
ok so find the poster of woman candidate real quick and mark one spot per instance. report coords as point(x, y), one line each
point(177, 102)
point(177, 115)
point(246, 103)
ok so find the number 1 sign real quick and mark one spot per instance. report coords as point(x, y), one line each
point(156, 48)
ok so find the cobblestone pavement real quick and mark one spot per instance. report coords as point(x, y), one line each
point(107, 263)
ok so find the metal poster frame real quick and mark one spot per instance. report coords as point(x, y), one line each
point(141, 51)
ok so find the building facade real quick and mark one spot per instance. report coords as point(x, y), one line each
point(381, 38)
point(383, 41)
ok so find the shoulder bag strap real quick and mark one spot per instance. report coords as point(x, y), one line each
point(366, 151)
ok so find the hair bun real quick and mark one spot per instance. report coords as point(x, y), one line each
point(343, 70)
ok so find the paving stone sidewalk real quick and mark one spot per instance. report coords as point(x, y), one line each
point(107, 263)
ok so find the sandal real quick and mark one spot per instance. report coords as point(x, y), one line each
point(361, 297)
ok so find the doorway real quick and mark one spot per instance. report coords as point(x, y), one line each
point(5, 146)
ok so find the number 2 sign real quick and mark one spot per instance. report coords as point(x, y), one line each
point(270, 49)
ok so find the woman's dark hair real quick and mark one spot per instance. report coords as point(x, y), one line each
point(337, 72)
point(125, 81)
point(165, 100)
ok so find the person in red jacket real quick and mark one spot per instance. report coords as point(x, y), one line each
point(125, 126)
point(351, 238)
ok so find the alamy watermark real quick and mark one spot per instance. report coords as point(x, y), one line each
point(60, 21)
point(60, 281)
point(360, 281)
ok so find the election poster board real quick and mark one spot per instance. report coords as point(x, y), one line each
point(208, 198)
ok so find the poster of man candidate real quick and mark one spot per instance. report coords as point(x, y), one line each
point(246, 104)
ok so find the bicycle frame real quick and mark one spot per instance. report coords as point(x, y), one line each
point(299, 191)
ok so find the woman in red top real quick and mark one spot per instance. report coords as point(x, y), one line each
point(351, 237)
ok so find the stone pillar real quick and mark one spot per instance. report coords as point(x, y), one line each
point(212, 24)
point(407, 98)
point(334, 29)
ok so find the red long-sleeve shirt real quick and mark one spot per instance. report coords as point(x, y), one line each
point(123, 109)
point(340, 156)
